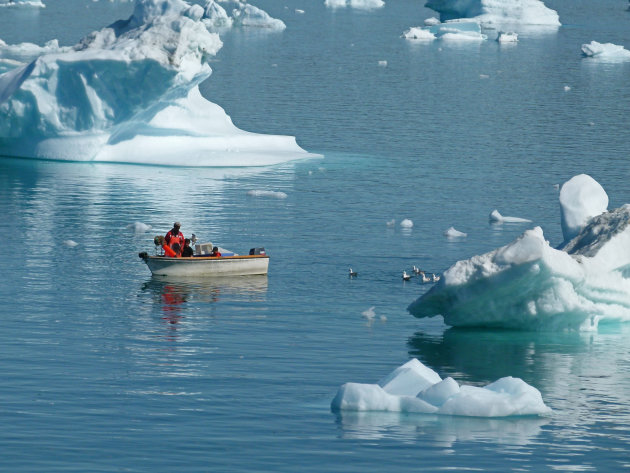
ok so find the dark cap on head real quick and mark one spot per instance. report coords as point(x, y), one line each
point(177, 224)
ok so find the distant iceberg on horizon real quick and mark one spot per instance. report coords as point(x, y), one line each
point(129, 93)
point(529, 285)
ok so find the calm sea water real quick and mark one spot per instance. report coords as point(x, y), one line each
point(107, 369)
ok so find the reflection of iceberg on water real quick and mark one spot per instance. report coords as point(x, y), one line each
point(528, 285)
point(416, 388)
point(127, 93)
point(445, 431)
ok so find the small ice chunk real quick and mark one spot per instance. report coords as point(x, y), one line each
point(431, 21)
point(70, 243)
point(139, 227)
point(382, 63)
point(567, 88)
point(266, 193)
point(452, 233)
point(369, 313)
point(509, 37)
point(496, 217)
point(406, 223)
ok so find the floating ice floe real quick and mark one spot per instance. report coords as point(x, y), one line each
point(139, 227)
point(452, 30)
point(359, 4)
point(22, 3)
point(416, 388)
point(496, 217)
point(504, 37)
point(494, 13)
point(406, 223)
point(530, 285)
point(70, 243)
point(267, 193)
point(605, 52)
point(452, 233)
point(129, 93)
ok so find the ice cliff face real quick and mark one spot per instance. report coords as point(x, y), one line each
point(128, 93)
point(529, 285)
point(496, 12)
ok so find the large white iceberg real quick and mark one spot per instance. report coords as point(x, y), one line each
point(128, 93)
point(496, 12)
point(416, 388)
point(529, 285)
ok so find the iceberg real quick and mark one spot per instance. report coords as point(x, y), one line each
point(416, 388)
point(129, 93)
point(491, 13)
point(529, 285)
point(22, 3)
point(359, 4)
point(451, 30)
point(605, 52)
point(496, 217)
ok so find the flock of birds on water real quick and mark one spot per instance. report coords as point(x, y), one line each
point(406, 276)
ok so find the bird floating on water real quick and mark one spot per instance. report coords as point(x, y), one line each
point(416, 270)
point(425, 278)
point(405, 276)
point(352, 273)
point(436, 278)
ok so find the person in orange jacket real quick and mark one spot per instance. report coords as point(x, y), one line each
point(175, 236)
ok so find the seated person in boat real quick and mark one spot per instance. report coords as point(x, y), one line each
point(177, 249)
point(215, 252)
point(175, 236)
point(187, 251)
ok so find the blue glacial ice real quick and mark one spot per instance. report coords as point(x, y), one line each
point(416, 388)
point(529, 285)
point(496, 12)
point(129, 93)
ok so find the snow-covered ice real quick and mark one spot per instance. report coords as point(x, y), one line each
point(527, 284)
point(496, 217)
point(129, 93)
point(494, 13)
point(416, 388)
point(605, 52)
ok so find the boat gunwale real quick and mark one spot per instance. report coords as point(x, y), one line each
point(203, 258)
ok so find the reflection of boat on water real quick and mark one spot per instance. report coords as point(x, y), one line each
point(237, 265)
point(191, 290)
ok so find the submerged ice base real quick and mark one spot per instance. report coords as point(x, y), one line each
point(529, 285)
point(129, 93)
point(416, 388)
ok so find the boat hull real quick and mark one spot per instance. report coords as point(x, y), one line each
point(241, 265)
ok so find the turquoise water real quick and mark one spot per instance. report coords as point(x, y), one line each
point(105, 368)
